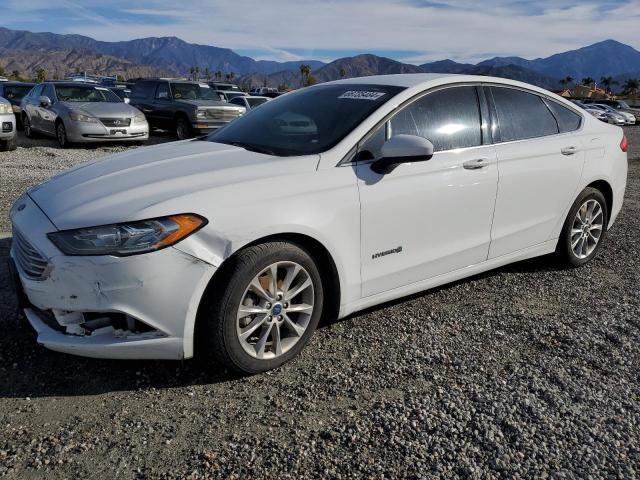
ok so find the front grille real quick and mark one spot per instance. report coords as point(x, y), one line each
point(116, 122)
point(7, 127)
point(223, 115)
point(30, 261)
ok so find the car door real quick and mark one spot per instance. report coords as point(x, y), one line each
point(33, 106)
point(428, 218)
point(540, 161)
point(47, 114)
point(142, 97)
point(163, 106)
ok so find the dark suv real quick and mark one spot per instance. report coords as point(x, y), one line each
point(186, 108)
point(618, 105)
point(14, 91)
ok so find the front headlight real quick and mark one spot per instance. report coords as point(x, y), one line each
point(5, 108)
point(139, 118)
point(80, 117)
point(129, 238)
point(201, 114)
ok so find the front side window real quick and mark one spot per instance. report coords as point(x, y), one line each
point(568, 120)
point(522, 115)
point(448, 118)
point(307, 121)
point(37, 91)
point(85, 93)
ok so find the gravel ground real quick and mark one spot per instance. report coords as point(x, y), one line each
point(527, 371)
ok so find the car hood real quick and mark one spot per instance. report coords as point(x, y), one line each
point(206, 103)
point(103, 109)
point(152, 181)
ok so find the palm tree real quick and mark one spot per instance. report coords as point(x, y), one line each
point(631, 86)
point(207, 74)
point(588, 81)
point(305, 71)
point(192, 71)
point(41, 75)
point(197, 76)
point(608, 82)
point(343, 73)
point(231, 76)
point(218, 75)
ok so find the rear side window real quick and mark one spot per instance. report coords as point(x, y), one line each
point(143, 90)
point(448, 118)
point(163, 91)
point(522, 115)
point(568, 120)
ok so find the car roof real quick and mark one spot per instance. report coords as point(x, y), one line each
point(13, 83)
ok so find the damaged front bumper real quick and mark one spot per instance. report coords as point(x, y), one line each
point(136, 307)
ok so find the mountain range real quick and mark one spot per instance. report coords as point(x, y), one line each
point(26, 52)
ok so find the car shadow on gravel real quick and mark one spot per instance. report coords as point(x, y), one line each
point(29, 370)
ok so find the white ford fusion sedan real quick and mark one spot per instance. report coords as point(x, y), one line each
point(324, 201)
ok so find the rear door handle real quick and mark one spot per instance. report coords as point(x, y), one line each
point(569, 150)
point(476, 164)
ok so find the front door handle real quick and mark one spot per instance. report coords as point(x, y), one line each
point(568, 150)
point(476, 164)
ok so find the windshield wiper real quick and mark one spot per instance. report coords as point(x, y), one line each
point(252, 147)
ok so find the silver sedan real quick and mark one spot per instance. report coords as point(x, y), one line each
point(75, 112)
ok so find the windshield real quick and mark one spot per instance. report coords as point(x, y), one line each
point(308, 121)
point(16, 92)
point(231, 95)
point(622, 104)
point(85, 93)
point(193, 91)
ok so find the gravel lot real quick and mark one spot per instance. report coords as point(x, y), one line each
point(527, 371)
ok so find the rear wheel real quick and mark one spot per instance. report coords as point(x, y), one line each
point(183, 129)
point(584, 228)
point(267, 310)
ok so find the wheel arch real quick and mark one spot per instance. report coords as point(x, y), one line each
point(320, 253)
point(607, 191)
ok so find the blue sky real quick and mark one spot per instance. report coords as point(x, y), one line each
point(414, 31)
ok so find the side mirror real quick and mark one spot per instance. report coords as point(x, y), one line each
point(127, 100)
point(45, 101)
point(402, 149)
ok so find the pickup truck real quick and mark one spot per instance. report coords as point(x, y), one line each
point(186, 108)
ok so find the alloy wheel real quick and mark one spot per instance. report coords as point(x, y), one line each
point(275, 310)
point(587, 228)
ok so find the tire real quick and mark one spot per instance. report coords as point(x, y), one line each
point(183, 129)
point(8, 145)
point(224, 324)
point(61, 135)
point(581, 239)
point(26, 126)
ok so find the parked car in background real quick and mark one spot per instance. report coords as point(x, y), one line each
point(599, 114)
point(249, 102)
point(611, 117)
point(123, 93)
point(619, 105)
point(7, 126)
point(14, 92)
point(224, 86)
point(265, 92)
point(629, 118)
point(227, 95)
point(186, 108)
point(239, 242)
point(80, 112)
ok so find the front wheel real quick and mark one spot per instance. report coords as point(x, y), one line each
point(61, 135)
point(26, 126)
point(584, 228)
point(269, 305)
point(183, 129)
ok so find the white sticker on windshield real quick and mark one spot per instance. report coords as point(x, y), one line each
point(362, 95)
point(203, 85)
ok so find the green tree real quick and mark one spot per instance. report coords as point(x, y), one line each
point(283, 87)
point(588, 81)
point(41, 75)
point(632, 86)
point(305, 71)
point(607, 83)
point(343, 73)
point(2, 72)
point(311, 80)
point(15, 75)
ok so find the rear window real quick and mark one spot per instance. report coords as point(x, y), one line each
point(522, 115)
point(568, 120)
point(16, 92)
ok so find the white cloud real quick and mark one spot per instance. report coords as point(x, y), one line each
point(465, 30)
